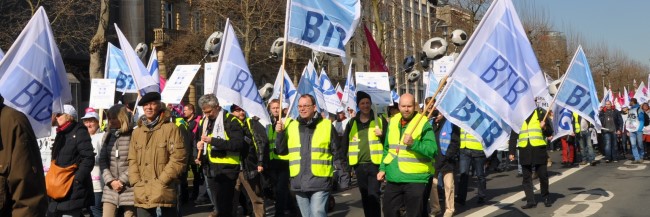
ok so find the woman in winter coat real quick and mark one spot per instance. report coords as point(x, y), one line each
point(114, 164)
point(72, 145)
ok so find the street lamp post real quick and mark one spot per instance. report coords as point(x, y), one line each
point(557, 65)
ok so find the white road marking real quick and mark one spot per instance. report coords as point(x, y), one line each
point(517, 197)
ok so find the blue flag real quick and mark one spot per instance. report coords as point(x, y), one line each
point(562, 125)
point(32, 75)
point(152, 68)
point(305, 86)
point(578, 92)
point(143, 80)
point(395, 96)
point(117, 69)
point(324, 25)
point(235, 83)
point(350, 92)
point(495, 80)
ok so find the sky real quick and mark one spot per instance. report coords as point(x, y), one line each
point(622, 24)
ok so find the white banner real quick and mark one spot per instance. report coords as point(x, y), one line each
point(178, 83)
point(45, 147)
point(442, 66)
point(209, 76)
point(376, 85)
point(102, 93)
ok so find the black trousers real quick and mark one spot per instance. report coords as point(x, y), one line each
point(369, 188)
point(165, 211)
point(197, 170)
point(222, 188)
point(280, 178)
point(542, 173)
point(407, 195)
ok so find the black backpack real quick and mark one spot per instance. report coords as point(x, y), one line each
point(646, 119)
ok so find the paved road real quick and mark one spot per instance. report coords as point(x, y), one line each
point(607, 189)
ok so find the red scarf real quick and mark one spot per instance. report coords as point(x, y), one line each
point(63, 127)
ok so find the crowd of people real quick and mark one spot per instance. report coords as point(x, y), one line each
point(403, 161)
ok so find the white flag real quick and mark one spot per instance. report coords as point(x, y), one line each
point(329, 93)
point(143, 79)
point(235, 83)
point(312, 75)
point(496, 79)
point(152, 68)
point(350, 91)
point(289, 90)
point(641, 94)
point(626, 97)
point(32, 75)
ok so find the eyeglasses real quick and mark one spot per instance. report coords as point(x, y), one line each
point(304, 106)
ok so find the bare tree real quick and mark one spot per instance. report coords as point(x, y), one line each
point(97, 48)
point(72, 24)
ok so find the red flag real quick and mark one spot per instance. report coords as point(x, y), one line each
point(377, 63)
point(162, 82)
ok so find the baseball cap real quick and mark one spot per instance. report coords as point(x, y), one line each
point(69, 109)
point(90, 113)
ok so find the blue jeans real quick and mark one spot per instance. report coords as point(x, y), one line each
point(611, 148)
point(313, 204)
point(586, 148)
point(636, 139)
point(479, 170)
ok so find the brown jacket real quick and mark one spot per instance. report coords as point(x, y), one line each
point(22, 183)
point(156, 159)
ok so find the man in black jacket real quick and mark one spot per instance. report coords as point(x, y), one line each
point(448, 140)
point(222, 135)
point(532, 154)
point(254, 159)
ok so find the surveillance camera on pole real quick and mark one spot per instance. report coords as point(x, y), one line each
point(141, 50)
point(213, 44)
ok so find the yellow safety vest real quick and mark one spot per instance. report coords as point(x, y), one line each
point(321, 156)
point(576, 124)
point(231, 157)
point(468, 141)
point(272, 135)
point(376, 148)
point(531, 131)
point(407, 161)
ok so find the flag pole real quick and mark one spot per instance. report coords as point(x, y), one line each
point(284, 54)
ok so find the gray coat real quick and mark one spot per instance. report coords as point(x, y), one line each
point(305, 181)
point(114, 166)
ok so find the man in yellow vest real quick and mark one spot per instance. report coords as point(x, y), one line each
point(222, 140)
point(309, 141)
point(362, 142)
point(471, 153)
point(532, 154)
point(407, 162)
point(254, 160)
point(278, 166)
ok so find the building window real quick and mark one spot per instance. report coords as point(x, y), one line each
point(169, 16)
point(406, 4)
point(339, 71)
point(365, 68)
point(400, 34)
point(353, 47)
point(407, 19)
point(416, 21)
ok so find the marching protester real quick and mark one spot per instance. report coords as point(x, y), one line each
point(583, 139)
point(634, 125)
point(448, 140)
point(623, 137)
point(156, 159)
point(254, 159)
point(569, 142)
point(612, 123)
point(278, 167)
point(532, 154)
point(113, 162)
point(646, 130)
point(222, 134)
point(362, 143)
point(471, 155)
point(407, 160)
point(310, 142)
point(192, 120)
point(72, 157)
point(91, 121)
point(341, 171)
point(23, 184)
